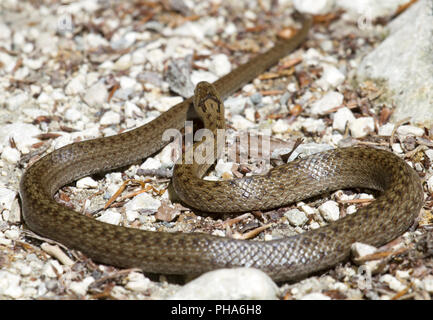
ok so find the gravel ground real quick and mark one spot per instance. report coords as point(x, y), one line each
point(74, 70)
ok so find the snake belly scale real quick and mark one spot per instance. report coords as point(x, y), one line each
point(178, 253)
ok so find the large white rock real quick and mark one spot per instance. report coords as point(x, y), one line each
point(404, 61)
point(229, 284)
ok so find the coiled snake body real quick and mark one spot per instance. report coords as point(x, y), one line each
point(178, 253)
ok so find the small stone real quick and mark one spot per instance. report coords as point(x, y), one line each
point(111, 217)
point(257, 98)
point(223, 167)
point(220, 65)
point(427, 283)
point(386, 129)
point(17, 101)
point(360, 250)
point(410, 130)
point(137, 282)
point(10, 284)
point(12, 234)
point(280, 126)
point(314, 7)
point(332, 77)
point(361, 127)
point(392, 282)
point(330, 211)
point(151, 164)
point(123, 63)
point(396, 147)
point(296, 217)
point(229, 284)
point(80, 288)
point(87, 183)
point(313, 125)
point(72, 115)
point(342, 117)
point(76, 85)
point(11, 155)
point(164, 103)
point(235, 104)
point(23, 135)
point(132, 110)
point(315, 296)
point(143, 201)
point(96, 95)
point(429, 154)
point(109, 118)
point(240, 123)
point(327, 102)
point(7, 198)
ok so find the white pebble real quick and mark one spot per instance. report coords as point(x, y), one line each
point(361, 127)
point(11, 155)
point(223, 167)
point(72, 115)
point(296, 217)
point(164, 103)
point(236, 104)
point(132, 111)
point(313, 125)
point(308, 210)
point(23, 135)
point(427, 283)
point(392, 282)
point(386, 129)
point(123, 63)
point(332, 77)
point(10, 285)
point(429, 154)
point(330, 211)
point(240, 123)
point(396, 147)
point(23, 268)
point(111, 217)
point(360, 250)
point(342, 117)
point(151, 164)
point(96, 95)
point(7, 198)
point(17, 101)
point(143, 201)
point(229, 284)
point(313, 6)
point(327, 102)
point(128, 83)
point(80, 288)
point(220, 65)
point(410, 130)
point(87, 183)
point(12, 234)
point(315, 296)
point(137, 282)
point(109, 118)
point(280, 126)
point(76, 85)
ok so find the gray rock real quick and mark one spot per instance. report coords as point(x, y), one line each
point(404, 61)
point(229, 284)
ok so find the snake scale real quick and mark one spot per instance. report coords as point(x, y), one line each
point(290, 258)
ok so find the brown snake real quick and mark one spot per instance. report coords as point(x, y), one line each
point(179, 253)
